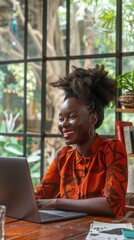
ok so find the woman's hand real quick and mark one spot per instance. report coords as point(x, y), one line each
point(46, 203)
point(94, 206)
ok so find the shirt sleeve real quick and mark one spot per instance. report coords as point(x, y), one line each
point(116, 177)
point(49, 187)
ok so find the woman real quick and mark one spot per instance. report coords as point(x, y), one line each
point(92, 176)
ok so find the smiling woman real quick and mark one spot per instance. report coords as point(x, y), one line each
point(92, 176)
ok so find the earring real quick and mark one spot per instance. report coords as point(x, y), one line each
point(91, 132)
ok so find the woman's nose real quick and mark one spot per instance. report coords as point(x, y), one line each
point(65, 123)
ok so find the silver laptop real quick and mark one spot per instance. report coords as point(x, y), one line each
point(17, 194)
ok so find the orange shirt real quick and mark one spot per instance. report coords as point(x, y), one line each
point(101, 172)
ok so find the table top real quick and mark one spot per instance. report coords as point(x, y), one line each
point(68, 229)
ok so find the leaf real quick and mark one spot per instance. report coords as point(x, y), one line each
point(3, 126)
point(33, 158)
point(35, 167)
point(14, 149)
point(126, 81)
point(2, 139)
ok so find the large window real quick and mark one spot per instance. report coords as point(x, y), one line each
point(39, 43)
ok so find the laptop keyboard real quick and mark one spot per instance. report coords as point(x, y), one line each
point(48, 217)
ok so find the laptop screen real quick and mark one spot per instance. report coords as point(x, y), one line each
point(16, 189)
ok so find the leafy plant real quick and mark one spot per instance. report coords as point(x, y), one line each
point(10, 146)
point(126, 81)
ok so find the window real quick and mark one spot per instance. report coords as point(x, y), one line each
point(39, 42)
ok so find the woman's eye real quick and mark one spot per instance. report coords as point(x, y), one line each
point(61, 119)
point(72, 117)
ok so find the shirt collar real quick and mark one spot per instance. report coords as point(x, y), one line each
point(92, 149)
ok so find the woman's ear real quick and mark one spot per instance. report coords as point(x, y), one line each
point(93, 118)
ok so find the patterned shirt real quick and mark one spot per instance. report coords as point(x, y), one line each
point(102, 171)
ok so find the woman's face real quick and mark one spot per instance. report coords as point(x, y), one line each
point(74, 122)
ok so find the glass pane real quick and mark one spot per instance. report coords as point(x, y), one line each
point(127, 64)
point(128, 117)
point(12, 30)
point(11, 97)
point(11, 146)
point(109, 64)
point(56, 28)
point(34, 97)
point(54, 97)
point(128, 25)
point(35, 16)
point(108, 125)
point(92, 27)
point(52, 145)
point(34, 158)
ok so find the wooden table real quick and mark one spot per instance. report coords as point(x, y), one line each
point(67, 230)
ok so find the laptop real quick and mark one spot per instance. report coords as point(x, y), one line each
point(17, 194)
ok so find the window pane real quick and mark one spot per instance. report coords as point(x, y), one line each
point(127, 64)
point(12, 30)
point(54, 96)
point(92, 27)
point(108, 125)
point(56, 28)
point(109, 64)
point(35, 14)
point(128, 117)
point(11, 97)
point(128, 25)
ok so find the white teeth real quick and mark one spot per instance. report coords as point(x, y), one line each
point(66, 134)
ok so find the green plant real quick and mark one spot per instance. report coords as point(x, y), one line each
point(125, 81)
point(10, 145)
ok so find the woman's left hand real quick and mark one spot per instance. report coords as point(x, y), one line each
point(46, 203)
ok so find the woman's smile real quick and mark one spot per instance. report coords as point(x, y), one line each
point(68, 134)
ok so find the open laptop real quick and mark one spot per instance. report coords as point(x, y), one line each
point(17, 194)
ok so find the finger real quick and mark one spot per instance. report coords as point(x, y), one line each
point(39, 203)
